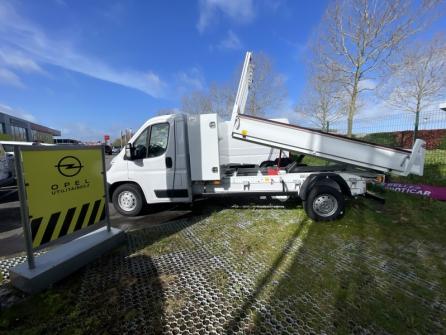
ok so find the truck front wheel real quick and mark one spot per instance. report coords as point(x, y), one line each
point(324, 203)
point(128, 200)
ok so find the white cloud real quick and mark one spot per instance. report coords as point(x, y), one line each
point(287, 111)
point(31, 41)
point(240, 11)
point(191, 80)
point(231, 42)
point(17, 113)
point(367, 84)
point(82, 131)
point(8, 77)
point(17, 60)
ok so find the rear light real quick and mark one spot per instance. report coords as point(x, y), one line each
point(380, 179)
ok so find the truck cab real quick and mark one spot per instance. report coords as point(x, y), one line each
point(170, 154)
point(153, 168)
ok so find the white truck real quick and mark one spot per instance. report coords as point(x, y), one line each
point(180, 158)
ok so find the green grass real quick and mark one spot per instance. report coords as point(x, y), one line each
point(315, 161)
point(350, 271)
point(220, 279)
point(408, 233)
point(166, 245)
point(43, 313)
point(250, 240)
point(60, 311)
point(434, 169)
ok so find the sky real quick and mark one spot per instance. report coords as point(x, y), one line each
point(90, 68)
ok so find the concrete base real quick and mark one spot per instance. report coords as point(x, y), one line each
point(63, 260)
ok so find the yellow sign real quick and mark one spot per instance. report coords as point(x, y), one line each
point(65, 190)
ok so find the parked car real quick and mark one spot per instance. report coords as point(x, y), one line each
point(108, 149)
point(7, 169)
point(5, 166)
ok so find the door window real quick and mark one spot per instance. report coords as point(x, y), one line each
point(152, 142)
point(140, 145)
point(159, 136)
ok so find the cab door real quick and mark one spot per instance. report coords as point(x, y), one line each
point(153, 166)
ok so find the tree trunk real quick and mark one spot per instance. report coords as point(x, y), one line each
point(351, 115)
point(417, 121)
point(352, 107)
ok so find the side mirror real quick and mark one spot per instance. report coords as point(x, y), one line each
point(129, 151)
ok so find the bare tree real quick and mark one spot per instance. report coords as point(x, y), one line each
point(360, 36)
point(267, 92)
point(222, 97)
point(217, 99)
point(419, 78)
point(322, 102)
point(197, 102)
point(268, 89)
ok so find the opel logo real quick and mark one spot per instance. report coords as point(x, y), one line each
point(69, 166)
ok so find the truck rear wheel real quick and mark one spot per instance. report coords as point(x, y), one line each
point(128, 200)
point(324, 203)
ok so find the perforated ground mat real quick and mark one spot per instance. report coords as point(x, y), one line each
point(254, 270)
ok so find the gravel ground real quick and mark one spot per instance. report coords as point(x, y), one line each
point(252, 269)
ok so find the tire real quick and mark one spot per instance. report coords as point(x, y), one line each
point(128, 200)
point(324, 203)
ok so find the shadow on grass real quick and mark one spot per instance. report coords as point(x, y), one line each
point(121, 292)
point(361, 274)
point(358, 274)
point(234, 324)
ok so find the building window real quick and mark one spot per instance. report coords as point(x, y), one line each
point(2, 128)
point(39, 136)
point(18, 133)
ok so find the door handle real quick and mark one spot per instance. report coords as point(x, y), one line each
point(169, 162)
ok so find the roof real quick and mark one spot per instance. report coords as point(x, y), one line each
point(44, 129)
point(34, 126)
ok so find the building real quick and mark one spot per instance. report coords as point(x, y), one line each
point(66, 141)
point(22, 130)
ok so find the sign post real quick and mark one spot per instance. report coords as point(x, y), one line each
point(24, 209)
point(107, 200)
point(63, 194)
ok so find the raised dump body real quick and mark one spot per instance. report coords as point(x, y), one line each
point(329, 146)
point(316, 143)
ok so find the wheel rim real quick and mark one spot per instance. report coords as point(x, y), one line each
point(127, 201)
point(325, 205)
